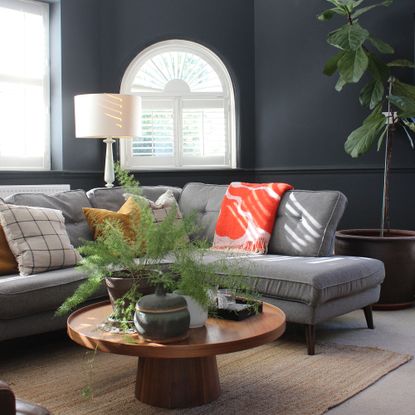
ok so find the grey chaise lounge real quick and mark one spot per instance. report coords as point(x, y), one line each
point(299, 274)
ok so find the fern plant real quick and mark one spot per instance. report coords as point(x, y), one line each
point(192, 275)
point(360, 53)
point(161, 253)
point(114, 254)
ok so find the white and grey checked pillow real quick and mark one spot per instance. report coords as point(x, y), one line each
point(38, 238)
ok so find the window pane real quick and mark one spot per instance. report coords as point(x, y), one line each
point(24, 84)
point(204, 132)
point(162, 72)
point(157, 134)
point(22, 44)
point(23, 131)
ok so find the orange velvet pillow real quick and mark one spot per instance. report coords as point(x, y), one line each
point(8, 264)
point(128, 214)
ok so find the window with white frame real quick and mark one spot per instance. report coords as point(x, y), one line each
point(188, 114)
point(24, 85)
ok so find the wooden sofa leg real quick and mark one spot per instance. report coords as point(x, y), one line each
point(310, 338)
point(369, 316)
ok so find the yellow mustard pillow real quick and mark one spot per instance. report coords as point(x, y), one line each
point(127, 215)
point(8, 264)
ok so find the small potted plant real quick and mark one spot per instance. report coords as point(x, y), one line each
point(392, 105)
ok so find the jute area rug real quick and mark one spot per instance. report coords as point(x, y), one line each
point(278, 378)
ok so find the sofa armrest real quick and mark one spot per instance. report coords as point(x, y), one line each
point(7, 400)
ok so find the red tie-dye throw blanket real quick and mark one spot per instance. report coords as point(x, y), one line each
point(247, 216)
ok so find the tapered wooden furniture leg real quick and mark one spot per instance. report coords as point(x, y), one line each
point(177, 383)
point(369, 316)
point(310, 338)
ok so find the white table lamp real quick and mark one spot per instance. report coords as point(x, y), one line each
point(107, 116)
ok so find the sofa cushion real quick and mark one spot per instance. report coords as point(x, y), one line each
point(306, 223)
point(113, 198)
point(307, 280)
point(204, 201)
point(70, 203)
point(22, 296)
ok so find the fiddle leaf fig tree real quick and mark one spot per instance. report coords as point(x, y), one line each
point(391, 101)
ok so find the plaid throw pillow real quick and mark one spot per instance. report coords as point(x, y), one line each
point(38, 238)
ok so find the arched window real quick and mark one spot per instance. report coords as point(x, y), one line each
point(188, 116)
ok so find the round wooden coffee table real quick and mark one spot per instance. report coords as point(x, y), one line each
point(183, 374)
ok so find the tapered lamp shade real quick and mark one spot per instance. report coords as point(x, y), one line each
point(107, 115)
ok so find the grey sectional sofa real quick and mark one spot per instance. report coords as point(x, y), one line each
point(299, 274)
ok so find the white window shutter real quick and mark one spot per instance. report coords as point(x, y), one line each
point(188, 118)
point(24, 85)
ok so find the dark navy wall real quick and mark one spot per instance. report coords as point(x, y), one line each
point(302, 122)
point(93, 41)
point(81, 73)
point(292, 124)
point(226, 27)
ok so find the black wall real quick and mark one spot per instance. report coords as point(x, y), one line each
point(302, 122)
point(291, 122)
point(226, 27)
point(81, 73)
point(92, 43)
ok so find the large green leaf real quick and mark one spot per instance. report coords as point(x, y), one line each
point(403, 89)
point(375, 114)
point(357, 3)
point(339, 3)
point(361, 139)
point(411, 141)
point(348, 37)
point(352, 65)
point(410, 125)
point(378, 69)
point(381, 137)
point(340, 84)
point(336, 2)
point(372, 94)
point(402, 63)
point(363, 10)
point(329, 13)
point(405, 105)
point(381, 46)
point(352, 4)
point(331, 65)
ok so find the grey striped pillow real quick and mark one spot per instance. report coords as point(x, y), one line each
point(38, 238)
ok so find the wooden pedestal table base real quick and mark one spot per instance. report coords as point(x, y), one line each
point(177, 383)
point(182, 374)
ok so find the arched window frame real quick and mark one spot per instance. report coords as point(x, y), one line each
point(179, 161)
